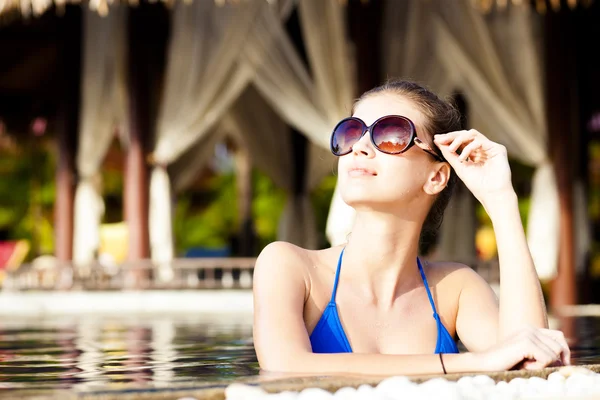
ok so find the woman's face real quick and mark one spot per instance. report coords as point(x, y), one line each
point(370, 179)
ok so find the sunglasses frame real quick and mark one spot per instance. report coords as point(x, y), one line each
point(414, 139)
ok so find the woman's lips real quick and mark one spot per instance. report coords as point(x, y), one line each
point(361, 172)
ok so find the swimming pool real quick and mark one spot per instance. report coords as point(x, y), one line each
point(157, 351)
point(80, 353)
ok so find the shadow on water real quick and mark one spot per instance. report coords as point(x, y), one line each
point(157, 352)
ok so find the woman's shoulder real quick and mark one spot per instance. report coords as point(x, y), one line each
point(289, 257)
point(454, 274)
point(282, 264)
point(283, 253)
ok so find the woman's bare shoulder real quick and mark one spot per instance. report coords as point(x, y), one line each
point(283, 255)
point(453, 274)
point(285, 264)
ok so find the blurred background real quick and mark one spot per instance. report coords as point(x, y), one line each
point(150, 149)
point(163, 144)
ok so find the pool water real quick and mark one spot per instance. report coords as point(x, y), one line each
point(87, 353)
point(117, 352)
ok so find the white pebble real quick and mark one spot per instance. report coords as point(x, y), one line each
point(315, 394)
point(579, 384)
point(440, 388)
point(239, 391)
point(483, 380)
point(393, 387)
point(347, 393)
point(556, 377)
point(556, 388)
point(569, 382)
point(572, 369)
point(286, 395)
point(366, 391)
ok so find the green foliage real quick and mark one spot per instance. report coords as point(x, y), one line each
point(321, 199)
point(210, 224)
point(213, 221)
point(27, 193)
point(267, 206)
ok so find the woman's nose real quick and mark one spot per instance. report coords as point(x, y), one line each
point(364, 145)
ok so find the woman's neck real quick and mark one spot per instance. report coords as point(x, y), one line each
point(381, 254)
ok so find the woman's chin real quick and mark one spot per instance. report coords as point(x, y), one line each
point(366, 202)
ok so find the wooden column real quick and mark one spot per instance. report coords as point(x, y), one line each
point(561, 107)
point(243, 177)
point(67, 132)
point(364, 24)
point(136, 169)
point(148, 30)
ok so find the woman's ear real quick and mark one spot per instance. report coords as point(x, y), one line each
point(437, 179)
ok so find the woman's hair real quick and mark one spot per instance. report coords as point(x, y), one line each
point(440, 117)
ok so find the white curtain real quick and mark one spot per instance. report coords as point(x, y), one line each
point(186, 169)
point(203, 78)
point(312, 105)
point(103, 105)
point(494, 61)
point(498, 68)
point(457, 233)
point(266, 137)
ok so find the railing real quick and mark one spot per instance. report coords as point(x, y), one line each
point(187, 273)
point(184, 273)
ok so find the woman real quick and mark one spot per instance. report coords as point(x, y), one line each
point(372, 306)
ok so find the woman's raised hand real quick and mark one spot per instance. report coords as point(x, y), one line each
point(480, 163)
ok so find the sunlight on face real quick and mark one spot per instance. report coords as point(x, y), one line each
point(376, 106)
point(368, 176)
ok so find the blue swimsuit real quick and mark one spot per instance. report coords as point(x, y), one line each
point(329, 336)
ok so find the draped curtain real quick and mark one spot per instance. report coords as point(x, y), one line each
point(103, 101)
point(497, 66)
point(257, 127)
point(202, 80)
point(494, 61)
point(311, 104)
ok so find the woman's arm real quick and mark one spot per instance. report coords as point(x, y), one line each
point(483, 166)
point(521, 299)
point(281, 287)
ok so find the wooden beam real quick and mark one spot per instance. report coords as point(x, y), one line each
point(67, 133)
point(562, 117)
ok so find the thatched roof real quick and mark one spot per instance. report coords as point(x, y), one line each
point(27, 8)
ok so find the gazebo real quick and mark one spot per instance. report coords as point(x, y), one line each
point(172, 79)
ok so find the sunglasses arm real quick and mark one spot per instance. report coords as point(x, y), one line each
point(425, 147)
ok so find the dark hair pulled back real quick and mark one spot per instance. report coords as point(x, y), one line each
point(441, 116)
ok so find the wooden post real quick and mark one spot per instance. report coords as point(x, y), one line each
point(364, 24)
point(243, 177)
point(136, 170)
point(67, 133)
point(148, 27)
point(562, 120)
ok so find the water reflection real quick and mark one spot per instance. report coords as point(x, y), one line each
point(103, 352)
point(113, 352)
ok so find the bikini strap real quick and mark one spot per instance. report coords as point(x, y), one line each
point(435, 314)
point(337, 277)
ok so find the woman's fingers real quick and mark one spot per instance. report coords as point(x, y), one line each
point(559, 338)
point(469, 149)
point(446, 138)
point(459, 141)
point(550, 347)
point(544, 347)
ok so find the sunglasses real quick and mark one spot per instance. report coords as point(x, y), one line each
point(391, 134)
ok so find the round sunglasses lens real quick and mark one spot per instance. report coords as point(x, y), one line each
point(345, 135)
point(392, 135)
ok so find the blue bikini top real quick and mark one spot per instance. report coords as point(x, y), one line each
point(329, 336)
